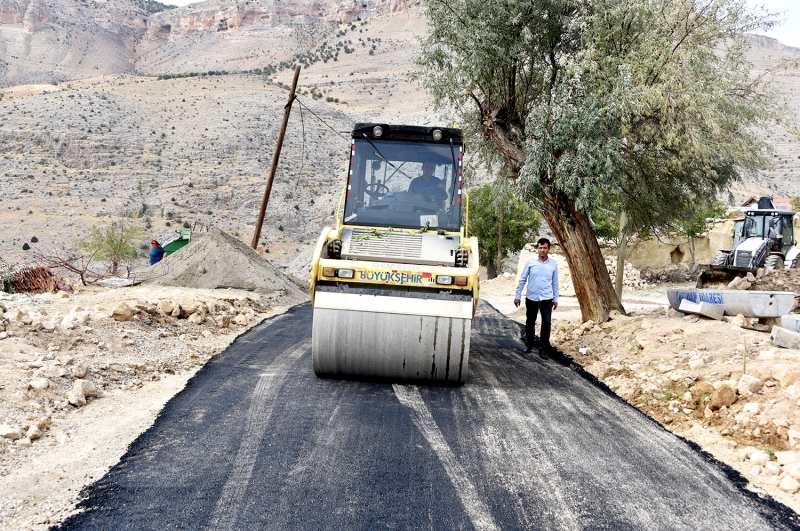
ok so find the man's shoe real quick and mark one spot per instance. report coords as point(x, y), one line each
point(543, 354)
point(528, 350)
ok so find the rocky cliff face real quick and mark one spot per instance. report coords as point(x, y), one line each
point(115, 15)
point(43, 42)
point(58, 40)
point(220, 15)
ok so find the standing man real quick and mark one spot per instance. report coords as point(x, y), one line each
point(541, 274)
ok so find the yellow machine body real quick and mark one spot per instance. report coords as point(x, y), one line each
point(396, 303)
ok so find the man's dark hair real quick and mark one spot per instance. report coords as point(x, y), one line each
point(543, 240)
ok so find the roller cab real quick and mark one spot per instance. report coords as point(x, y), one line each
point(394, 283)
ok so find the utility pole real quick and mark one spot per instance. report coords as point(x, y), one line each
point(275, 158)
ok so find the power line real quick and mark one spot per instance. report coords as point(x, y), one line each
point(321, 120)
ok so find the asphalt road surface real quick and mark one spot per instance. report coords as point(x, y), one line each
point(257, 441)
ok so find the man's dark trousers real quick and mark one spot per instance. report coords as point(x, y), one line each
point(531, 309)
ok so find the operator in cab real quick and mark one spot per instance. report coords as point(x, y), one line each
point(426, 180)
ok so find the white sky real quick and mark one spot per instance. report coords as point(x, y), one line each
point(788, 32)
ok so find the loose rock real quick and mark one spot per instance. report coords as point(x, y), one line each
point(725, 396)
point(79, 370)
point(85, 387)
point(10, 432)
point(789, 484)
point(40, 384)
point(787, 458)
point(750, 384)
point(33, 433)
point(76, 398)
point(742, 322)
point(122, 312)
point(759, 457)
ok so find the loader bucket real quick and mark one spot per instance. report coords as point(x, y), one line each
point(716, 278)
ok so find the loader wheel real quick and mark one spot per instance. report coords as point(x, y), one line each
point(796, 262)
point(773, 261)
point(720, 260)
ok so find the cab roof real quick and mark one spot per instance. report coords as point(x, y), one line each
point(409, 133)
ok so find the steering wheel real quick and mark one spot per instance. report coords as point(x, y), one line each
point(376, 190)
point(434, 194)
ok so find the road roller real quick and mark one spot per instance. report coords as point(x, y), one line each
point(394, 285)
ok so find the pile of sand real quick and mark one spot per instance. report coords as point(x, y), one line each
point(218, 260)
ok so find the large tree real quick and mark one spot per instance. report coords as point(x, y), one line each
point(640, 103)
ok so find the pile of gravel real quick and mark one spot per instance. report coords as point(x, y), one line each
point(219, 260)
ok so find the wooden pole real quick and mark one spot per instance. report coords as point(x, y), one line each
point(275, 158)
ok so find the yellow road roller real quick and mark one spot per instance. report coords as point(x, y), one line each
point(394, 284)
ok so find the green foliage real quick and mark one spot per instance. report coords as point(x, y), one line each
point(796, 204)
point(700, 220)
point(25, 246)
point(34, 239)
point(703, 219)
point(152, 6)
point(605, 222)
point(520, 221)
point(112, 241)
point(186, 225)
point(595, 101)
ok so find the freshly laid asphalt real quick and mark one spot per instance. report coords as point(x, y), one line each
point(257, 441)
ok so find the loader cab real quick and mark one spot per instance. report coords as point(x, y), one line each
point(406, 177)
point(775, 225)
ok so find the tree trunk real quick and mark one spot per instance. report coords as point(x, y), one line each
point(499, 260)
point(491, 270)
point(622, 251)
point(574, 233)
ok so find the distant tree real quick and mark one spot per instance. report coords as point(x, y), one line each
point(501, 222)
point(34, 239)
point(648, 105)
point(112, 241)
point(25, 246)
point(700, 222)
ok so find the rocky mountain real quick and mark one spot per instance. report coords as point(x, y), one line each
point(180, 150)
point(185, 133)
point(221, 15)
point(45, 41)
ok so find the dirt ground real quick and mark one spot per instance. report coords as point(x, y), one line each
point(666, 365)
point(134, 367)
point(672, 367)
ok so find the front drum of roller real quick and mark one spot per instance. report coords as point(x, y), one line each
point(390, 346)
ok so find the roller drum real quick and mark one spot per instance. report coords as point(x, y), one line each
point(367, 344)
